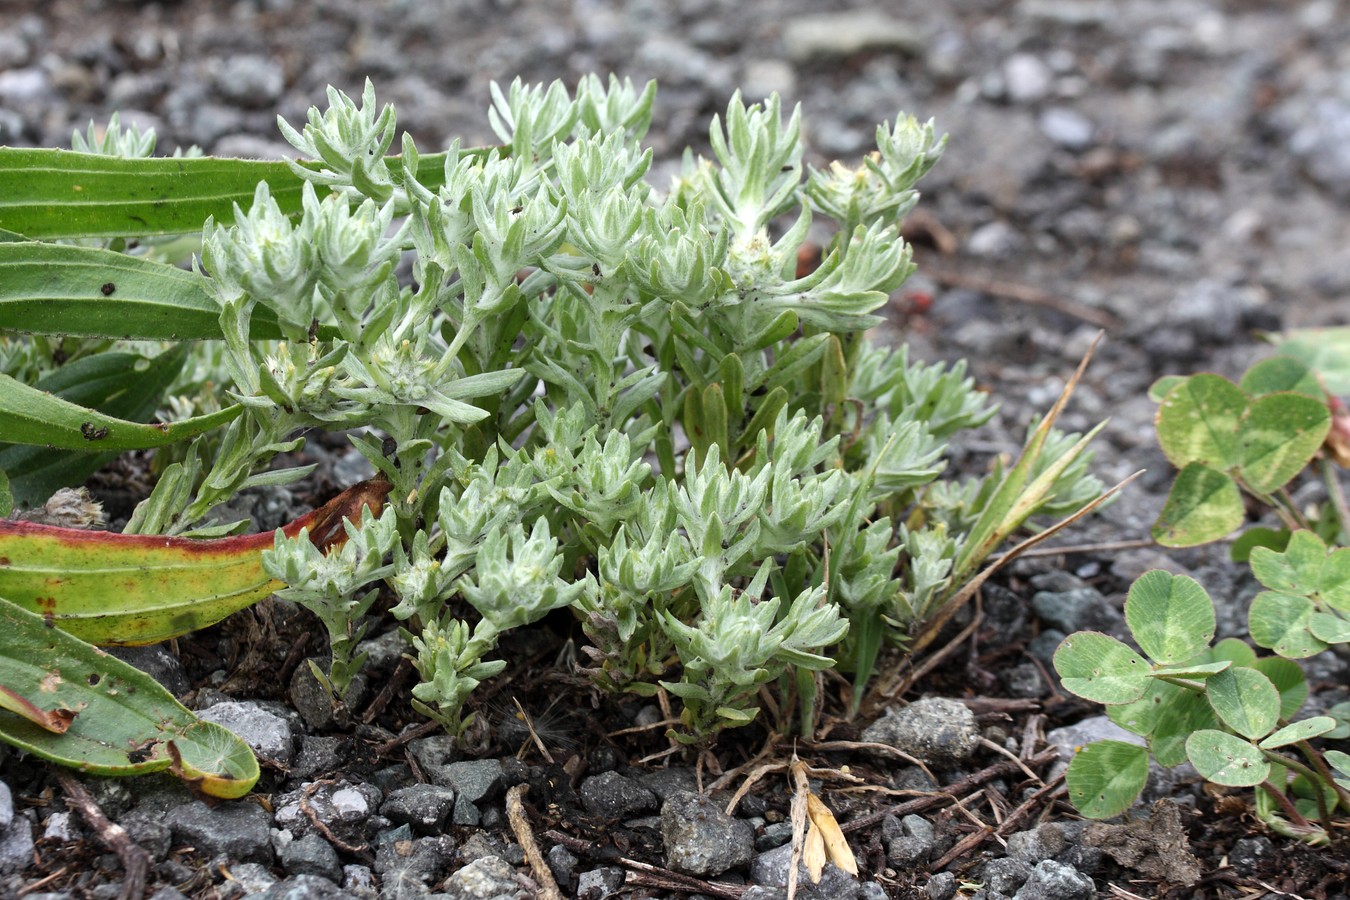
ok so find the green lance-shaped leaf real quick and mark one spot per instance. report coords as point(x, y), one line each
point(1203, 505)
point(6, 495)
point(1170, 616)
point(123, 385)
point(1105, 778)
point(1278, 437)
point(30, 416)
point(1198, 421)
point(90, 292)
point(1299, 731)
point(93, 712)
point(50, 194)
point(1098, 667)
point(1245, 700)
point(1224, 759)
point(1279, 622)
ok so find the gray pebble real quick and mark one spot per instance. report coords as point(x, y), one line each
point(597, 884)
point(238, 829)
point(251, 81)
point(1005, 874)
point(562, 863)
point(941, 886)
point(411, 866)
point(474, 780)
point(1083, 609)
point(615, 796)
point(423, 806)
point(1068, 128)
point(1026, 78)
point(936, 730)
point(303, 887)
point(312, 855)
point(701, 839)
point(268, 734)
point(489, 878)
point(845, 33)
point(16, 846)
point(1055, 881)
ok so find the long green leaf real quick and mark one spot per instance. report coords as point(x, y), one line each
point(125, 385)
point(31, 416)
point(60, 289)
point(47, 194)
point(77, 706)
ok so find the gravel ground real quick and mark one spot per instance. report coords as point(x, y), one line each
point(1175, 171)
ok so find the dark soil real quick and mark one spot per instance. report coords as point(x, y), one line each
point(1174, 173)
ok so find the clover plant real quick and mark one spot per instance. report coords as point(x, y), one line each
point(588, 392)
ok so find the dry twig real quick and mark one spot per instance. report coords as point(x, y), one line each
point(135, 860)
point(520, 826)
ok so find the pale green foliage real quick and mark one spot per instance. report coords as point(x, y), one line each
point(598, 397)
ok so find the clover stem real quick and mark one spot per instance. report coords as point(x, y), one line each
point(1285, 803)
point(1337, 494)
point(1320, 764)
point(1314, 779)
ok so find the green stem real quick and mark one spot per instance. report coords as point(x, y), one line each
point(1314, 779)
point(1337, 494)
point(1286, 804)
point(1320, 764)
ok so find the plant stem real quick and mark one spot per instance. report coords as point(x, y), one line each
point(1320, 764)
point(1337, 494)
point(1285, 804)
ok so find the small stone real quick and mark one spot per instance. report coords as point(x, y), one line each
point(666, 783)
point(1034, 845)
point(771, 870)
point(21, 87)
point(762, 77)
point(1068, 128)
point(941, 886)
point(1026, 78)
point(423, 806)
point(155, 660)
point(1005, 874)
point(1322, 142)
point(411, 866)
point(312, 855)
point(16, 846)
point(60, 828)
point(842, 34)
point(239, 830)
point(1055, 881)
point(319, 755)
point(251, 81)
point(597, 884)
point(168, 892)
point(267, 733)
point(995, 240)
point(146, 827)
point(614, 796)
point(775, 835)
point(936, 730)
point(1082, 609)
point(489, 878)
point(14, 51)
point(1247, 854)
point(302, 887)
point(466, 813)
point(6, 806)
point(908, 841)
point(474, 780)
point(360, 881)
point(253, 879)
point(562, 863)
point(701, 839)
